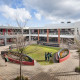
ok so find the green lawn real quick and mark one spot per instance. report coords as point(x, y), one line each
point(37, 52)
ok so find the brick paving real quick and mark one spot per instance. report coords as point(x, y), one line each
point(56, 71)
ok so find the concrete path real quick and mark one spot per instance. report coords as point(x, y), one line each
point(4, 48)
point(65, 70)
point(56, 71)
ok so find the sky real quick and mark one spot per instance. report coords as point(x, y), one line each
point(38, 13)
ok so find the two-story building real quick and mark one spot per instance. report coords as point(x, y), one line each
point(52, 33)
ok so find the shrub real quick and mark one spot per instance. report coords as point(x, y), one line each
point(23, 78)
point(77, 69)
point(26, 78)
point(51, 60)
point(26, 58)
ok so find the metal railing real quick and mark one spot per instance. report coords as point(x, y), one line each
point(12, 33)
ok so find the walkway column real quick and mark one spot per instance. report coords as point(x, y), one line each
point(4, 30)
point(75, 33)
point(47, 35)
point(38, 34)
point(29, 35)
point(5, 41)
point(58, 36)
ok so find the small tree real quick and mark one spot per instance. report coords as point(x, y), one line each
point(20, 43)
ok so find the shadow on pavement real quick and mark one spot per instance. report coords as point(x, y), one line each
point(2, 66)
point(75, 57)
point(43, 76)
point(69, 73)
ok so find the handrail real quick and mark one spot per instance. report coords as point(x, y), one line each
point(12, 33)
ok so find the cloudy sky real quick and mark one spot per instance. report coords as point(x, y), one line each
point(39, 12)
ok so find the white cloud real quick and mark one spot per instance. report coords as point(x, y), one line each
point(10, 13)
point(56, 9)
point(38, 16)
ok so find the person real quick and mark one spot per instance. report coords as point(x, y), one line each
point(45, 56)
point(48, 55)
point(51, 59)
point(51, 54)
point(6, 59)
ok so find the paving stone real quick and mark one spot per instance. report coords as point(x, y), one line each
point(56, 71)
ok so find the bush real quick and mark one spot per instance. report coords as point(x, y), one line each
point(77, 69)
point(23, 78)
point(26, 78)
point(51, 60)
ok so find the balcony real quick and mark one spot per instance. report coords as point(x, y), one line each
point(11, 34)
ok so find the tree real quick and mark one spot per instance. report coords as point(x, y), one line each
point(20, 43)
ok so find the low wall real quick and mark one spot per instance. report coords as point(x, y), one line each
point(48, 44)
point(23, 62)
point(65, 58)
point(31, 62)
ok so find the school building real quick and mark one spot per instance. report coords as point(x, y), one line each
point(51, 33)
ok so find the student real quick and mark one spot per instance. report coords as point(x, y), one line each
point(51, 54)
point(45, 56)
point(48, 55)
point(6, 59)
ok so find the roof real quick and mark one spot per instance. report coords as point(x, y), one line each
point(48, 26)
point(13, 27)
point(59, 26)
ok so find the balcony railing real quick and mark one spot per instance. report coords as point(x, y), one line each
point(12, 33)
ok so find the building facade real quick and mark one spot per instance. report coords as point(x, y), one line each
point(53, 33)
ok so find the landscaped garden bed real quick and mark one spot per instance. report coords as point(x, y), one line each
point(37, 52)
point(63, 55)
point(15, 57)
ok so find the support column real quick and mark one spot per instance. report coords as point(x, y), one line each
point(58, 36)
point(47, 35)
point(75, 33)
point(29, 35)
point(4, 31)
point(5, 41)
point(62, 40)
point(38, 34)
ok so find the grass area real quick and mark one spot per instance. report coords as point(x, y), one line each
point(37, 52)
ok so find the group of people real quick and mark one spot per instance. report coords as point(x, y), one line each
point(48, 56)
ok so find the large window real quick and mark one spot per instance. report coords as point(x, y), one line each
point(34, 31)
point(1, 32)
point(2, 42)
point(54, 40)
point(34, 38)
point(43, 31)
point(53, 31)
point(67, 31)
point(25, 31)
point(43, 39)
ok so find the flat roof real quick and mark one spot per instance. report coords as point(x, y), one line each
point(48, 26)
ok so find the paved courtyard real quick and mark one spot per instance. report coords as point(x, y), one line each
point(56, 71)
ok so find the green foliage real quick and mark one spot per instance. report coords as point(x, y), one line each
point(26, 58)
point(23, 78)
point(78, 51)
point(37, 52)
point(77, 69)
point(21, 50)
point(51, 60)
